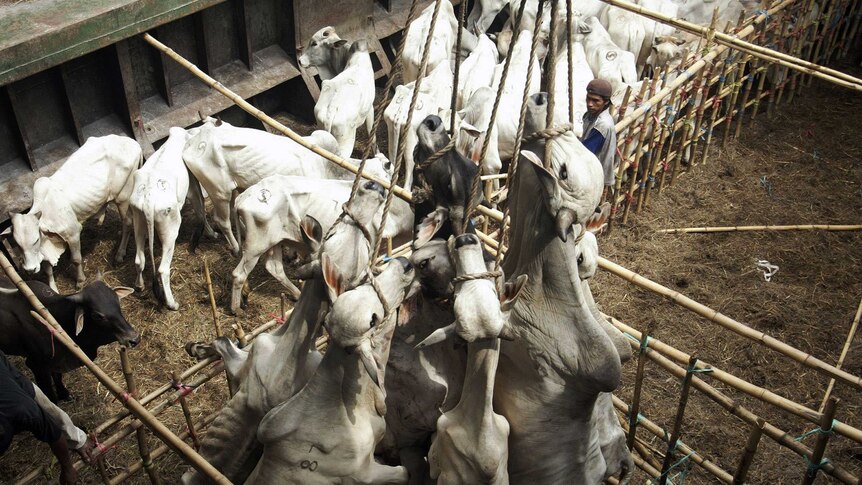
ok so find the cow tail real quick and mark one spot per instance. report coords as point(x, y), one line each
point(199, 229)
point(158, 291)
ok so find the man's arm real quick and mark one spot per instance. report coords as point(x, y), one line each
point(68, 474)
point(594, 141)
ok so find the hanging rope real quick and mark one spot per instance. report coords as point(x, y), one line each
point(463, 8)
point(570, 56)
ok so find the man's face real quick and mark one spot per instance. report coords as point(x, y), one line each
point(595, 104)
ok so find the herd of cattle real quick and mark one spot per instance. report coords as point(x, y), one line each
point(424, 353)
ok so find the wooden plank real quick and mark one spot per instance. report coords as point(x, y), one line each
point(201, 42)
point(40, 35)
point(71, 103)
point(19, 112)
point(377, 49)
point(163, 77)
point(132, 104)
point(245, 50)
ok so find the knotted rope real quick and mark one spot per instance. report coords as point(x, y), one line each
point(485, 275)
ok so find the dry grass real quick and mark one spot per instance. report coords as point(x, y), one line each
point(809, 303)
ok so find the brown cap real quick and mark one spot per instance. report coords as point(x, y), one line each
point(600, 87)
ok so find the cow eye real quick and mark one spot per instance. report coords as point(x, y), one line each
point(314, 43)
point(423, 264)
point(580, 259)
point(564, 173)
point(373, 322)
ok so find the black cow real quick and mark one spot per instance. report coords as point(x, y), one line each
point(449, 178)
point(92, 317)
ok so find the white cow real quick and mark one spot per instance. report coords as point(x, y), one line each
point(97, 173)
point(442, 40)
point(328, 431)
point(581, 76)
point(327, 52)
point(158, 196)
point(225, 158)
point(477, 70)
point(473, 131)
point(606, 59)
point(700, 12)
point(509, 111)
point(347, 100)
point(435, 96)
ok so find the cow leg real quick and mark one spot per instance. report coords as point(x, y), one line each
point(369, 127)
point(77, 260)
point(413, 460)
point(62, 393)
point(378, 474)
point(240, 275)
point(124, 237)
point(275, 266)
point(42, 376)
point(168, 231)
point(221, 216)
point(140, 227)
point(197, 198)
point(49, 272)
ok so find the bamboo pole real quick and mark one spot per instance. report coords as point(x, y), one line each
point(854, 29)
point(179, 446)
point(143, 448)
point(717, 102)
point(850, 335)
point(671, 127)
point(738, 328)
point(819, 35)
point(748, 453)
point(646, 121)
point(738, 80)
point(647, 456)
point(761, 82)
point(670, 455)
point(132, 469)
point(746, 91)
point(636, 397)
point(734, 41)
point(213, 308)
point(776, 68)
point(798, 227)
point(651, 153)
point(185, 390)
point(618, 180)
point(825, 430)
point(776, 434)
point(661, 433)
point(687, 125)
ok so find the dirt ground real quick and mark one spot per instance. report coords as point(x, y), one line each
point(809, 154)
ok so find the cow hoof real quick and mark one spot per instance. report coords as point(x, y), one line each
point(173, 306)
point(64, 396)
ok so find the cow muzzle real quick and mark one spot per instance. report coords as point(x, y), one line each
point(564, 220)
point(130, 340)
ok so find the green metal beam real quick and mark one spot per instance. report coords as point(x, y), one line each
point(35, 36)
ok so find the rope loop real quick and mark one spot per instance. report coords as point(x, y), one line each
point(813, 467)
point(485, 275)
point(278, 320)
point(817, 430)
point(436, 155)
point(548, 133)
point(184, 389)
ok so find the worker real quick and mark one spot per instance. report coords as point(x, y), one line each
point(24, 407)
point(600, 135)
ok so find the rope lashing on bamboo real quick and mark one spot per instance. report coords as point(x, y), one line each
point(818, 430)
point(681, 475)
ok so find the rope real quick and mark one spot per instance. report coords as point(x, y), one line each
point(436, 155)
point(184, 389)
point(569, 55)
point(678, 463)
point(485, 275)
point(457, 68)
point(817, 430)
point(548, 133)
point(551, 71)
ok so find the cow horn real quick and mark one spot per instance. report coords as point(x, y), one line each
point(565, 218)
point(367, 358)
point(437, 336)
point(7, 291)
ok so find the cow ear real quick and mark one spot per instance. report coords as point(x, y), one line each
point(37, 214)
point(332, 276)
point(429, 227)
point(123, 291)
point(511, 291)
point(597, 221)
point(549, 182)
point(79, 319)
point(312, 232)
point(339, 43)
point(99, 276)
point(6, 231)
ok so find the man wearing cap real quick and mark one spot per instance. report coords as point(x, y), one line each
point(600, 136)
point(24, 407)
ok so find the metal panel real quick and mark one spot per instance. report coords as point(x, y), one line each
point(350, 18)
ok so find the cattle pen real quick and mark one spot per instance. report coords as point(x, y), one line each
point(739, 75)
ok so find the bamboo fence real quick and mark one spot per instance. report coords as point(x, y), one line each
point(718, 84)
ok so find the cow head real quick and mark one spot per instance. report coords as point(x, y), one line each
point(99, 317)
point(319, 47)
point(572, 186)
point(25, 231)
point(434, 269)
point(356, 321)
point(365, 207)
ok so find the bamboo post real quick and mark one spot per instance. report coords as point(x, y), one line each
point(850, 335)
point(184, 450)
point(798, 44)
point(184, 391)
point(847, 26)
point(786, 37)
point(646, 122)
point(143, 448)
point(819, 37)
point(634, 417)
point(654, 132)
point(103, 471)
point(717, 101)
point(825, 430)
point(738, 80)
point(648, 457)
point(833, 32)
point(677, 423)
point(797, 227)
point(741, 329)
point(688, 124)
point(776, 85)
point(213, 308)
point(748, 453)
point(627, 148)
point(761, 82)
point(854, 29)
point(698, 118)
point(621, 162)
point(748, 83)
point(667, 137)
point(736, 409)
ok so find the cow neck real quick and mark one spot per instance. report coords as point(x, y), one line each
point(554, 294)
point(478, 389)
point(297, 334)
